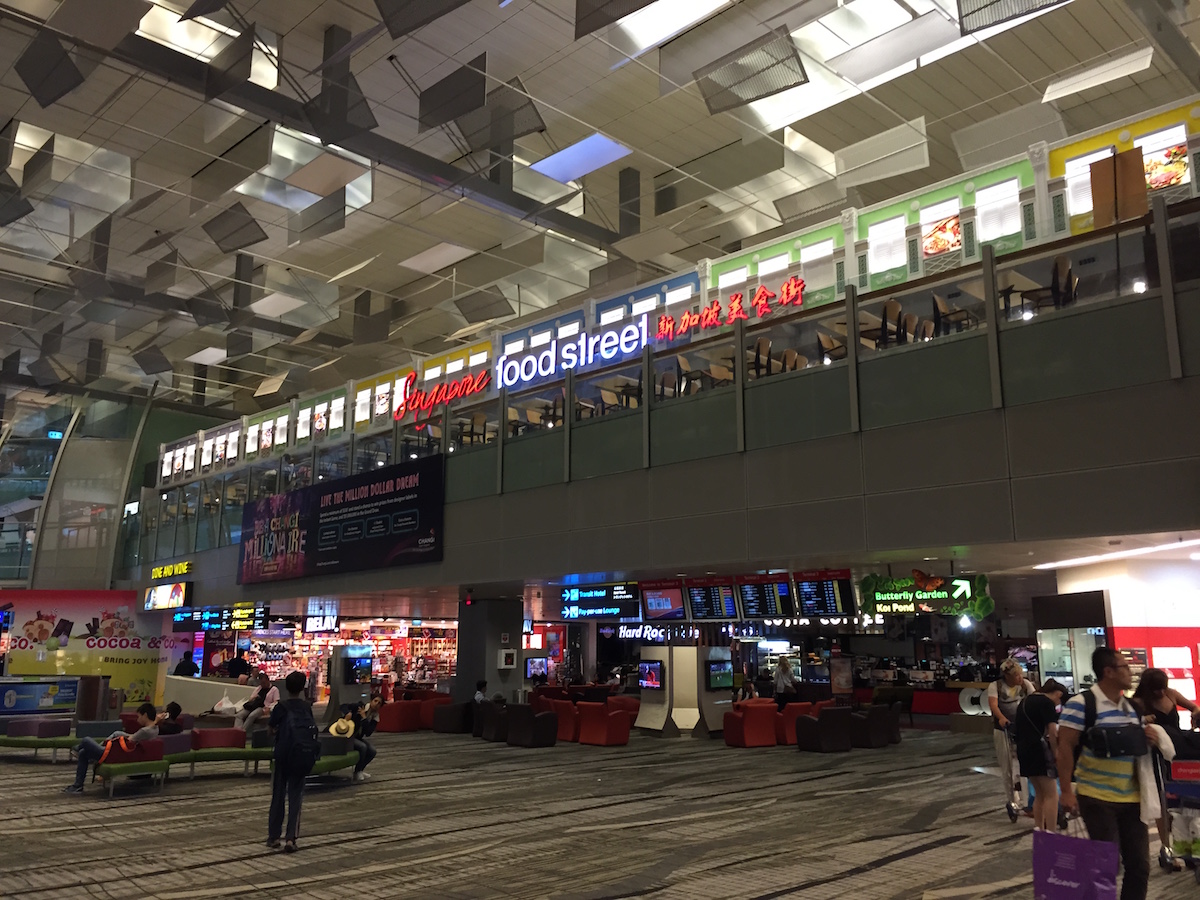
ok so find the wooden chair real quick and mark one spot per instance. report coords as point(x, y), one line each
point(534, 417)
point(608, 401)
point(909, 330)
point(926, 332)
point(720, 375)
point(514, 421)
point(668, 384)
point(793, 360)
point(830, 349)
point(1063, 289)
point(944, 316)
point(687, 378)
point(762, 357)
point(892, 312)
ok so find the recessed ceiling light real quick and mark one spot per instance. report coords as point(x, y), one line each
point(208, 356)
point(1109, 70)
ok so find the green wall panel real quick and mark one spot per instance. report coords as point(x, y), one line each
point(945, 377)
point(1083, 351)
point(693, 428)
point(534, 460)
point(471, 474)
point(606, 445)
point(797, 406)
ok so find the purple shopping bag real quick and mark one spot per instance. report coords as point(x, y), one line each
point(1073, 868)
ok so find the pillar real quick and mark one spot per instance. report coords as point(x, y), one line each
point(482, 627)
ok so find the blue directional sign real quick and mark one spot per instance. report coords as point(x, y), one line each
point(600, 601)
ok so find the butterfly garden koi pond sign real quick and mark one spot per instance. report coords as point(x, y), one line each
point(921, 593)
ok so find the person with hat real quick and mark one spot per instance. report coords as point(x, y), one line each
point(1035, 731)
point(358, 723)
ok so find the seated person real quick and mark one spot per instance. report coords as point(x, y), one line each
point(480, 689)
point(265, 696)
point(89, 751)
point(365, 719)
point(168, 720)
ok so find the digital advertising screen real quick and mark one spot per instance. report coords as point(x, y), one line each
point(719, 675)
point(168, 596)
point(535, 667)
point(662, 601)
point(650, 675)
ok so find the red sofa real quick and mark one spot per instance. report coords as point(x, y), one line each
point(428, 705)
point(602, 726)
point(629, 705)
point(568, 719)
point(785, 721)
point(400, 715)
point(751, 724)
point(211, 738)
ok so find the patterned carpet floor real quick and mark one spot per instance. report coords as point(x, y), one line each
point(448, 816)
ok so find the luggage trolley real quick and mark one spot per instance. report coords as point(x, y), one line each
point(1181, 805)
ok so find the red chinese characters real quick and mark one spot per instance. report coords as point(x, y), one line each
point(762, 301)
point(710, 316)
point(735, 309)
point(417, 401)
point(792, 292)
point(666, 328)
point(687, 321)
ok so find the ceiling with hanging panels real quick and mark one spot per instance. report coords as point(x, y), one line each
point(149, 233)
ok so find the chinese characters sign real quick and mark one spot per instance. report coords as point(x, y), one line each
point(791, 293)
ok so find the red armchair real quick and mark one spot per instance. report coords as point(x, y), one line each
point(427, 707)
point(629, 705)
point(568, 719)
point(400, 715)
point(602, 726)
point(785, 721)
point(751, 724)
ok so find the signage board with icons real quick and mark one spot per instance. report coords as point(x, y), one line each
point(594, 602)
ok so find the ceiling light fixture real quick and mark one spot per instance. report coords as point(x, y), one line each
point(353, 269)
point(1111, 70)
point(1118, 554)
point(658, 23)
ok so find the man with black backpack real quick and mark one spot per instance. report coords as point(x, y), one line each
point(297, 748)
point(1111, 742)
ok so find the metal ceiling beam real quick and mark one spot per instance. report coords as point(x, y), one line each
point(191, 73)
point(26, 382)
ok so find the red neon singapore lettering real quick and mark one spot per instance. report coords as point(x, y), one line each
point(417, 401)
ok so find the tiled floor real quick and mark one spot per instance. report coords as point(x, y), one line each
point(452, 817)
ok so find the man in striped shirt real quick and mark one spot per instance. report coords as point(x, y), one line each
point(1109, 796)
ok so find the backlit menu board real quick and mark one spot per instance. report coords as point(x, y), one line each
point(662, 601)
point(239, 617)
point(711, 599)
point(766, 597)
point(825, 593)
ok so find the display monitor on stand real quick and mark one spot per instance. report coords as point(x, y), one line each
point(350, 679)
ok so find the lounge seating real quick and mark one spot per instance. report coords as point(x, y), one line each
point(527, 728)
point(429, 705)
point(454, 718)
point(478, 717)
point(97, 729)
point(630, 705)
point(871, 729)
point(827, 733)
point(785, 721)
point(400, 716)
point(601, 726)
point(495, 723)
point(210, 738)
point(142, 758)
point(568, 720)
point(39, 727)
point(894, 711)
point(750, 724)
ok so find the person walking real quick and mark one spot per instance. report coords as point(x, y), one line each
point(785, 683)
point(1004, 695)
point(1113, 790)
point(297, 748)
point(1035, 730)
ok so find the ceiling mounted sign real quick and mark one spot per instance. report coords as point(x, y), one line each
point(922, 593)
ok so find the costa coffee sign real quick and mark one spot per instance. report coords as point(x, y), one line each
point(421, 403)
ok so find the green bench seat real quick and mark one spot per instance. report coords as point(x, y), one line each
point(53, 744)
point(327, 764)
point(246, 755)
point(110, 772)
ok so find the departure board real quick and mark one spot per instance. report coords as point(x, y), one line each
point(711, 600)
point(766, 599)
point(825, 593)
point(240, 617)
